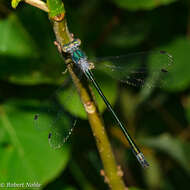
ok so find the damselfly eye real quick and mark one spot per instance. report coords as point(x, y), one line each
point(77, 42)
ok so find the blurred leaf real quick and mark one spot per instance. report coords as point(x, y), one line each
point(14, 39)
point(141, 4)
point(15, 3)
point(159, 65)
point(35, 77)
point(27, 150)
point(30, 71)
point(24, 58)
point(71, 101)
point(125, 37)
point(174, 147)
point(178, 76)
point(153, 175)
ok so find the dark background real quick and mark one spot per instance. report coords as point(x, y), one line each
point(31, 71)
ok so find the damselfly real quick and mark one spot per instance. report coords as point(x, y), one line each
point(80, 59)
point(123, 69)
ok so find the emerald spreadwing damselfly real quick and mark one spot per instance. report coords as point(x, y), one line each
point(124, 70)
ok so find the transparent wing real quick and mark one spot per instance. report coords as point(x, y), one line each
point(61, 124)
point(144, 69)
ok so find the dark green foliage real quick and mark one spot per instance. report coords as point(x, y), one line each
point(31, 71)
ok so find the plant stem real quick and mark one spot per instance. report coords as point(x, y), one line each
point(38, 3)
point(94, 117)
point(63, 37)
point(112, 173)
point(35, 3)
point(112, 178)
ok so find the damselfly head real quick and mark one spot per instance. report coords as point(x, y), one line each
point(77, 42)
point(68, 48)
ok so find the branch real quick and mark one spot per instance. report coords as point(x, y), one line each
point(63, 37)
point(111, 172)
point(35, 3)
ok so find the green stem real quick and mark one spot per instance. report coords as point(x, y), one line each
point(36, 3)
point(63, 37)
point(112, 176)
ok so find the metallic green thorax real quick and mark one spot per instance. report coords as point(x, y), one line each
point(77, 55)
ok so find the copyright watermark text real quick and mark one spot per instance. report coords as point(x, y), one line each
point(19, 185)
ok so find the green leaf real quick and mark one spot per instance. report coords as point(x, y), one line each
point(22, 62)
point(153, 175)
point(141, 4)
point(157, 62)
point(178, 76)
point(14, 3)
point(14, 39)
point(26, 150)
point(29, 71)
point(70, 100)
point(174, 147)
